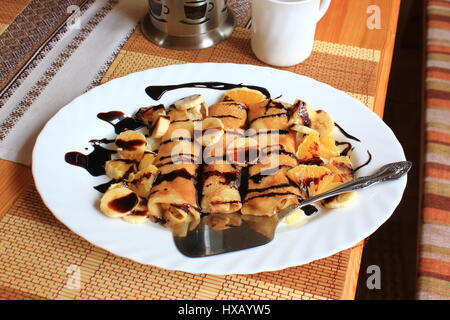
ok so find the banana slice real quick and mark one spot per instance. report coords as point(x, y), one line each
point(148, 115)
point(139, 214)
point(306, 120)
point(322, 122)
point(176, 216)
point(146, 161)
point(298, 217)
point(142, 181)
point(189, 102)
point(131, 145)
point(118, 201)
point(340, 201)
point(300, 114)
point(154, 147)
point(302, 130)
point(119, 169)
point(161, 127)
point(134, 218)
point(161, 112)
point(213, 130)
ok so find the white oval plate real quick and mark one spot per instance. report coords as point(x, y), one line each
point(68, 190)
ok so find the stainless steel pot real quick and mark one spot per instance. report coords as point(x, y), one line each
point(188, 24)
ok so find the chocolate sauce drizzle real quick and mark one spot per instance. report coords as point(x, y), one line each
point(102, 188)
point(309, 210)
point(270, 131)
point(243, 188)
point(129, 144)
point(102, 141)
point(345, 133)
point(181, 154)
point(306, 183)
point(312, 162)
point(232, 178)
point(225, 202)
point(267, 151)
point(300, 108)
point(271, 194)
point(272, 104)
point(156, 92)
point(365, 163)
point(279, 186)
point(124, 204)
point(270, 116)
point(177, 160)
point(119, 121)
point(186, 207)
point(180, 173)
point(93, 162)
point(257, 178)
point(177, 139)
point(347, 149)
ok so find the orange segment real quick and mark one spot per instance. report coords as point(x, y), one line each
point(309, 178)
point(328, 149)
point(244, 95)
point(326, 183)
point(308, 149)
point(342, 169)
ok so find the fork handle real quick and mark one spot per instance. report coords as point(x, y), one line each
point(388, 172)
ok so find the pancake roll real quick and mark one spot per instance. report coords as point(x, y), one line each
point(221, 176)
point(173, 197)
point(269, 188)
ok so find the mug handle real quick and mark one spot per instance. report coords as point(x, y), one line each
point(324, 5)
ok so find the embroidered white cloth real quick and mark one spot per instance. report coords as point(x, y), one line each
point(79, 55)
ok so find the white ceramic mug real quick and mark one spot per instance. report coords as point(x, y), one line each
point(283, 30)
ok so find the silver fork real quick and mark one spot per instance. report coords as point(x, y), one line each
point(226, 233)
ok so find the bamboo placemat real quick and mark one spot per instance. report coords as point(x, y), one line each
point(10, 10)
point(41, 259)
point(347, 68)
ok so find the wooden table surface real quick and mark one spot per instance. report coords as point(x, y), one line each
point(344, 23)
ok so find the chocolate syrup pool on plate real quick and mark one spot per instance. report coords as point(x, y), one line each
point(124, 204)
point(93, 162)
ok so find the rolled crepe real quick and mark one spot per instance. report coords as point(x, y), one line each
point(269, 189)
point(173, 197)
point(221, 177)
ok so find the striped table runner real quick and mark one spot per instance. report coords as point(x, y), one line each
point(434, 264)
